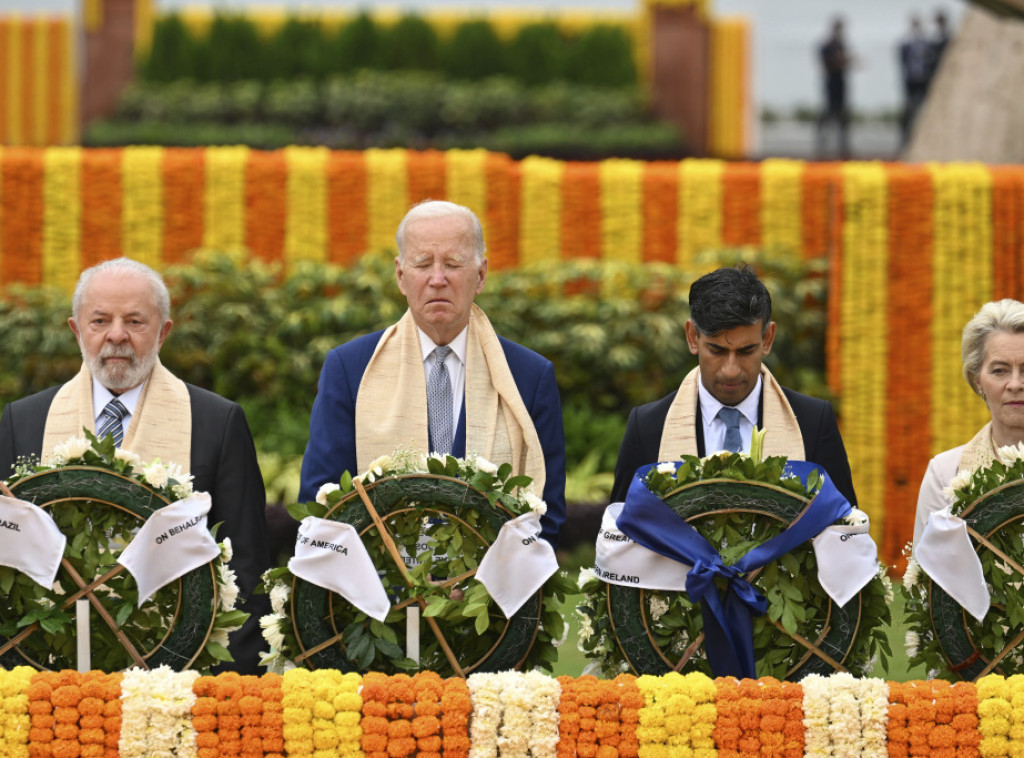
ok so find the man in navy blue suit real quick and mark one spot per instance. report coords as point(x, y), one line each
point(730, 330)
point(488, 396)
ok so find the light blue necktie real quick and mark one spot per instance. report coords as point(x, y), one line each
point(439, 402)
point(113, 417)
point(733, 442)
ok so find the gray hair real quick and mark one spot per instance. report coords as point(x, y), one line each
point(161, 297)
point(430, 209)
point(998, 316)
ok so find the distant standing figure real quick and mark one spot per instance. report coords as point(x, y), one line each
point(835, 62)
point(916, 66)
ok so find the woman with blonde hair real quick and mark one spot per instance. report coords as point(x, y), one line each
point(992, 350)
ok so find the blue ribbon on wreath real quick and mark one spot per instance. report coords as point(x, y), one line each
point(728, 622)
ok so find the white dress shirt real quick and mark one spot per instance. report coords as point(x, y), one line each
point(101, 396)
point(714, 427)
point(455, 362)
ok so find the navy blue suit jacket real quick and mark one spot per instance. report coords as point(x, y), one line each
point(332, 424)
point(823, 444)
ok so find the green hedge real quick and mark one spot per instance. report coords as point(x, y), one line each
point(232, 49)
point(251, 333)
point(380, 109)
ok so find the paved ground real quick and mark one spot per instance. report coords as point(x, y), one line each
point(875, 140)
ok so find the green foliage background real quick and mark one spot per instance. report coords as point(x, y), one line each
point(258, 335)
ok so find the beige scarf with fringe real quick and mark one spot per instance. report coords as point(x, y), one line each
point(679, 436)
point(979, 452)
point(391, 405)
point(161, 426)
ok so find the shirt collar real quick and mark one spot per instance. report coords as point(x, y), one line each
point(101, 396)
point(748, 407)
point(458, 345)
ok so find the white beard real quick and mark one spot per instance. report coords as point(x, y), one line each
point(117, 377)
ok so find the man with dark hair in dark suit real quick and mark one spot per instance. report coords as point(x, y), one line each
point(730, 330)
point(120, 317)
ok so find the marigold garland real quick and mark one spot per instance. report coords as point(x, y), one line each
point(15, 721)
point(455, 706)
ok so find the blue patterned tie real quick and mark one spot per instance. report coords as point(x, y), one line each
point(113, 415)
point(733, 442)
point(439, 402)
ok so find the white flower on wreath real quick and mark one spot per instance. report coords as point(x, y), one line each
point(536, 504)
point(156, 474)
point(913, 572)
point(485, 466)
point(279, 597)
point(325, 490)
point(961, 481)
point(228, 587)
point(183, 488)
point(68, 450)
point(856, 517)
point(668, 468)
point(586, 575)
point(227, 552)
point(376, 468)
point(272, 632)
point(123, 454)
point(658, 608)
point(911, 642)
point(1010, 454)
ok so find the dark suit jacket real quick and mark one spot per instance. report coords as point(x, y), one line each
point(223, 464)
point(332, 424)
point(822, 443)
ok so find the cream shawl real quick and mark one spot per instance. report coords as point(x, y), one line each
point(391, 405)
point(979, 452)
point(679, 436)
point(161, 426)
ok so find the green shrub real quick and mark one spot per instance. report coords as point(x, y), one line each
point(172, 52)
point(411, 44)
point(536, 54)
point(299, 50)
point(473, 52)
point(358, 45)
point(602, 55)
point(232, 50)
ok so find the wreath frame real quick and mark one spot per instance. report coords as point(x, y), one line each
point(321, 643)
point(197, 597)
point(627, 608)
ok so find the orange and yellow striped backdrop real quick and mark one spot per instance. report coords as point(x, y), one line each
point(38, 81)
point(914, 250)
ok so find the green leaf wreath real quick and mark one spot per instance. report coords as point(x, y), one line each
point(436, 544)
point(796, 601)
point(97, 531)
point(973, 495)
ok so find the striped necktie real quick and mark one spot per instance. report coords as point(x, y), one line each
point(113, 416)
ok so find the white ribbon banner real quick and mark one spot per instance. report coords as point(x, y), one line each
point(517, 564)
point(172, 542)
point(846, 555)
point(619, 560)
point(330, 555)
point(847, 559)
point(30, 541)
point(947, 556)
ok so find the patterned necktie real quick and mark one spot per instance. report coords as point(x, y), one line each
point(733, 442)
point(113, 414)
point(439, 402)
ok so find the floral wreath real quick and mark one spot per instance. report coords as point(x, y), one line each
point(443, 513)
point(950, 643)
point(624, 628)
point(99, 496)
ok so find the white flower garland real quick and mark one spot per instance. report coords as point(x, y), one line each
point(156, 713)
point(844, 715)
point(546, 693)
point(515, 715)
point(485, 695)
